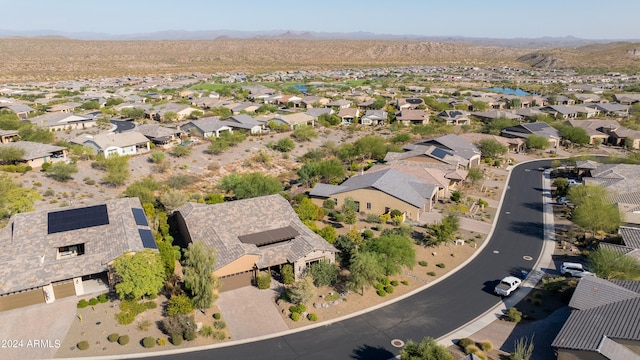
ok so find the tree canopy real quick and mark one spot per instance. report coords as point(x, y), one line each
point(394, 250)
point(364, 270)
point(330, 171)
point(138, 274)
point(427, 349)
point(611, 264)
point(537, 142)
point(491, 148)
point(198, 266)
point(245, 186)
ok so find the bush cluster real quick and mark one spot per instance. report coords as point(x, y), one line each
point(440, 265)
point(129, 309)
point(83, 345)
point(123, 339)
point(217, 316)
point(207, 331)
point(149, 342)
point(16, 168)
point(103, 298)
point(312, 317)
point(113, 337)
point(219, 324)
point(82, 304)
point(300, 308)
point(263, 280)
point(513, 315)
point(295, 316)
point(176, 339)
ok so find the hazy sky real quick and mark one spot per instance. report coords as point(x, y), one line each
point(590, 19)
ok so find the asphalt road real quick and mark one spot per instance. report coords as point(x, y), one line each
point(123, 125)
point(433, 312)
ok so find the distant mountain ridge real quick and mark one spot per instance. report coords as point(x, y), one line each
point(541, 42)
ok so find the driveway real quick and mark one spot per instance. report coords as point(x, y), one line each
point(36, 332)
point(250, 312)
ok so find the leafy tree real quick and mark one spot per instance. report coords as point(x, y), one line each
point(29, 132)
point(138, 274)
point(328, 233)
point(62, 171)
point(445, 230)
point(537, 142)
point(182, 326)
point(213, 199)
point(179, 305)
point(90, 105)
point(371, 147)
point(611, 264)
point(395, 251)
point(576, 135)
point(304, 133)
point(157, 157)
point(491, 148)
point(597, 215)
point(364, 270)
point(15, 199)
point(169, 253)
point(171, 199)
point(494, 127)
point(180, 151)
point(9, 120)
point(285, 145)
point(308, 211)
point(401, 138)
point(562, 186)
point(302, 290)
point(113, 102)
point(198, 266)
point(323, 273)
point(116, 167)
point(170, 116)
point(579, 194)
point(427, 349)
point(330, 171)
point(143, 189)
point(11, 154)
point(250, 185)
point(474, 175)
point(133, 113)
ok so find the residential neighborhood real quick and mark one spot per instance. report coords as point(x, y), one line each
point(317, 196)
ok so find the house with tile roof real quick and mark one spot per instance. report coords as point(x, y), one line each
point(206, 127)
point(245, 122)
point(514, 145)
point(63, 121)
point(251, 235)
point(455, 117)
point(604, 322)
point(374, 117)
point(294, 120)
point(160, 135)
point(379, 192)
point(448, 151)
point(121, 144)
point(413, 117)
point(523, 131)
point(36, 154)
point(51, 254)
point(7, 136)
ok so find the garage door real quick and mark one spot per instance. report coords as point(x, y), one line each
point(236, 281)
point(21, 299)
point(62, 290)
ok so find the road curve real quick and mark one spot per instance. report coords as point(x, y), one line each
point(435, 311)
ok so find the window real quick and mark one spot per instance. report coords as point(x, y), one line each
point(368, 206)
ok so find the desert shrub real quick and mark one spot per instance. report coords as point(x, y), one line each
point(288, 277)
point(379, 227)
point(179, 304)
point(83, 345)
point(423, 263)
point(149, 342)
point(371, 218)
point(103, 298)
point(555, 284)
point(123, 339)
point(379, 286)
point(219, 324)
point(93, 301)
point(368, 234)
point(440, 265)
point(404, 282)
point(113, 337)
point(161, 341)
point(394, 283)
point(389, 289)
point(144, 325)
point(464, 342)
point(180, 325)
point(431, 273)
point(486, 345)
point(263, 280)
point(312, 317)
point(190, 335)
point(295, 316)
point(385, 281)
point(219, 335)
point(176, 339)
point(471, 349)
point(217, 316)
point(82, 304)
point(207, 331)
point(381, 293)
point(513, 315)
point(300, 308)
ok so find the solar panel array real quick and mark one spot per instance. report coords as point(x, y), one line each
point(138, 214)
point(75, 219)
point(148, 242)
point(270, 236)
point(439, 153)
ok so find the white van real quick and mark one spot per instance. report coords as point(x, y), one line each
point(574, 269)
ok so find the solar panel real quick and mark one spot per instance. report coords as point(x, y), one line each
point(148, 242)
point(439, 153)
point(75, 219)
point(141, 219)
point(270, 236)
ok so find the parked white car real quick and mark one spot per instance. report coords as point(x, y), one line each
point(507, 286)
point(574, 269)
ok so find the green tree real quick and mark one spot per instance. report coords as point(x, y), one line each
point(288, 276)
point(304, 133)
point(611, 264)
point(62, 171)
point(427, 349)
point(395, 251)
point(11, 154)
point(371, 147)
point(138, 274)
point(576, 135)
point(179, 305)
point(285, 145)
point(198, 266)
point(445, 230)
point(181, 151)
point(562, 187)
point(579, 194)
point(157, 157)
point(308, 211)
point(491, 148)
point(597, 215)
point(364, 270)
point(133, 113)
point(15, 199)
point(250, 185)
point(474, 175)
point(323, 273)
point(170, 116)
point(29, 132)
point(302, 290)
point(143, 189)
point(90, 105)
point(328, 233)
point(494, 127)
point(116, 168)
point(330, 171)
point(9, 120)
point(169, 253)
point(172, 199)
point(537, 142)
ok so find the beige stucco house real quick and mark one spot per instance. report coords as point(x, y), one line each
point(36, 154)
